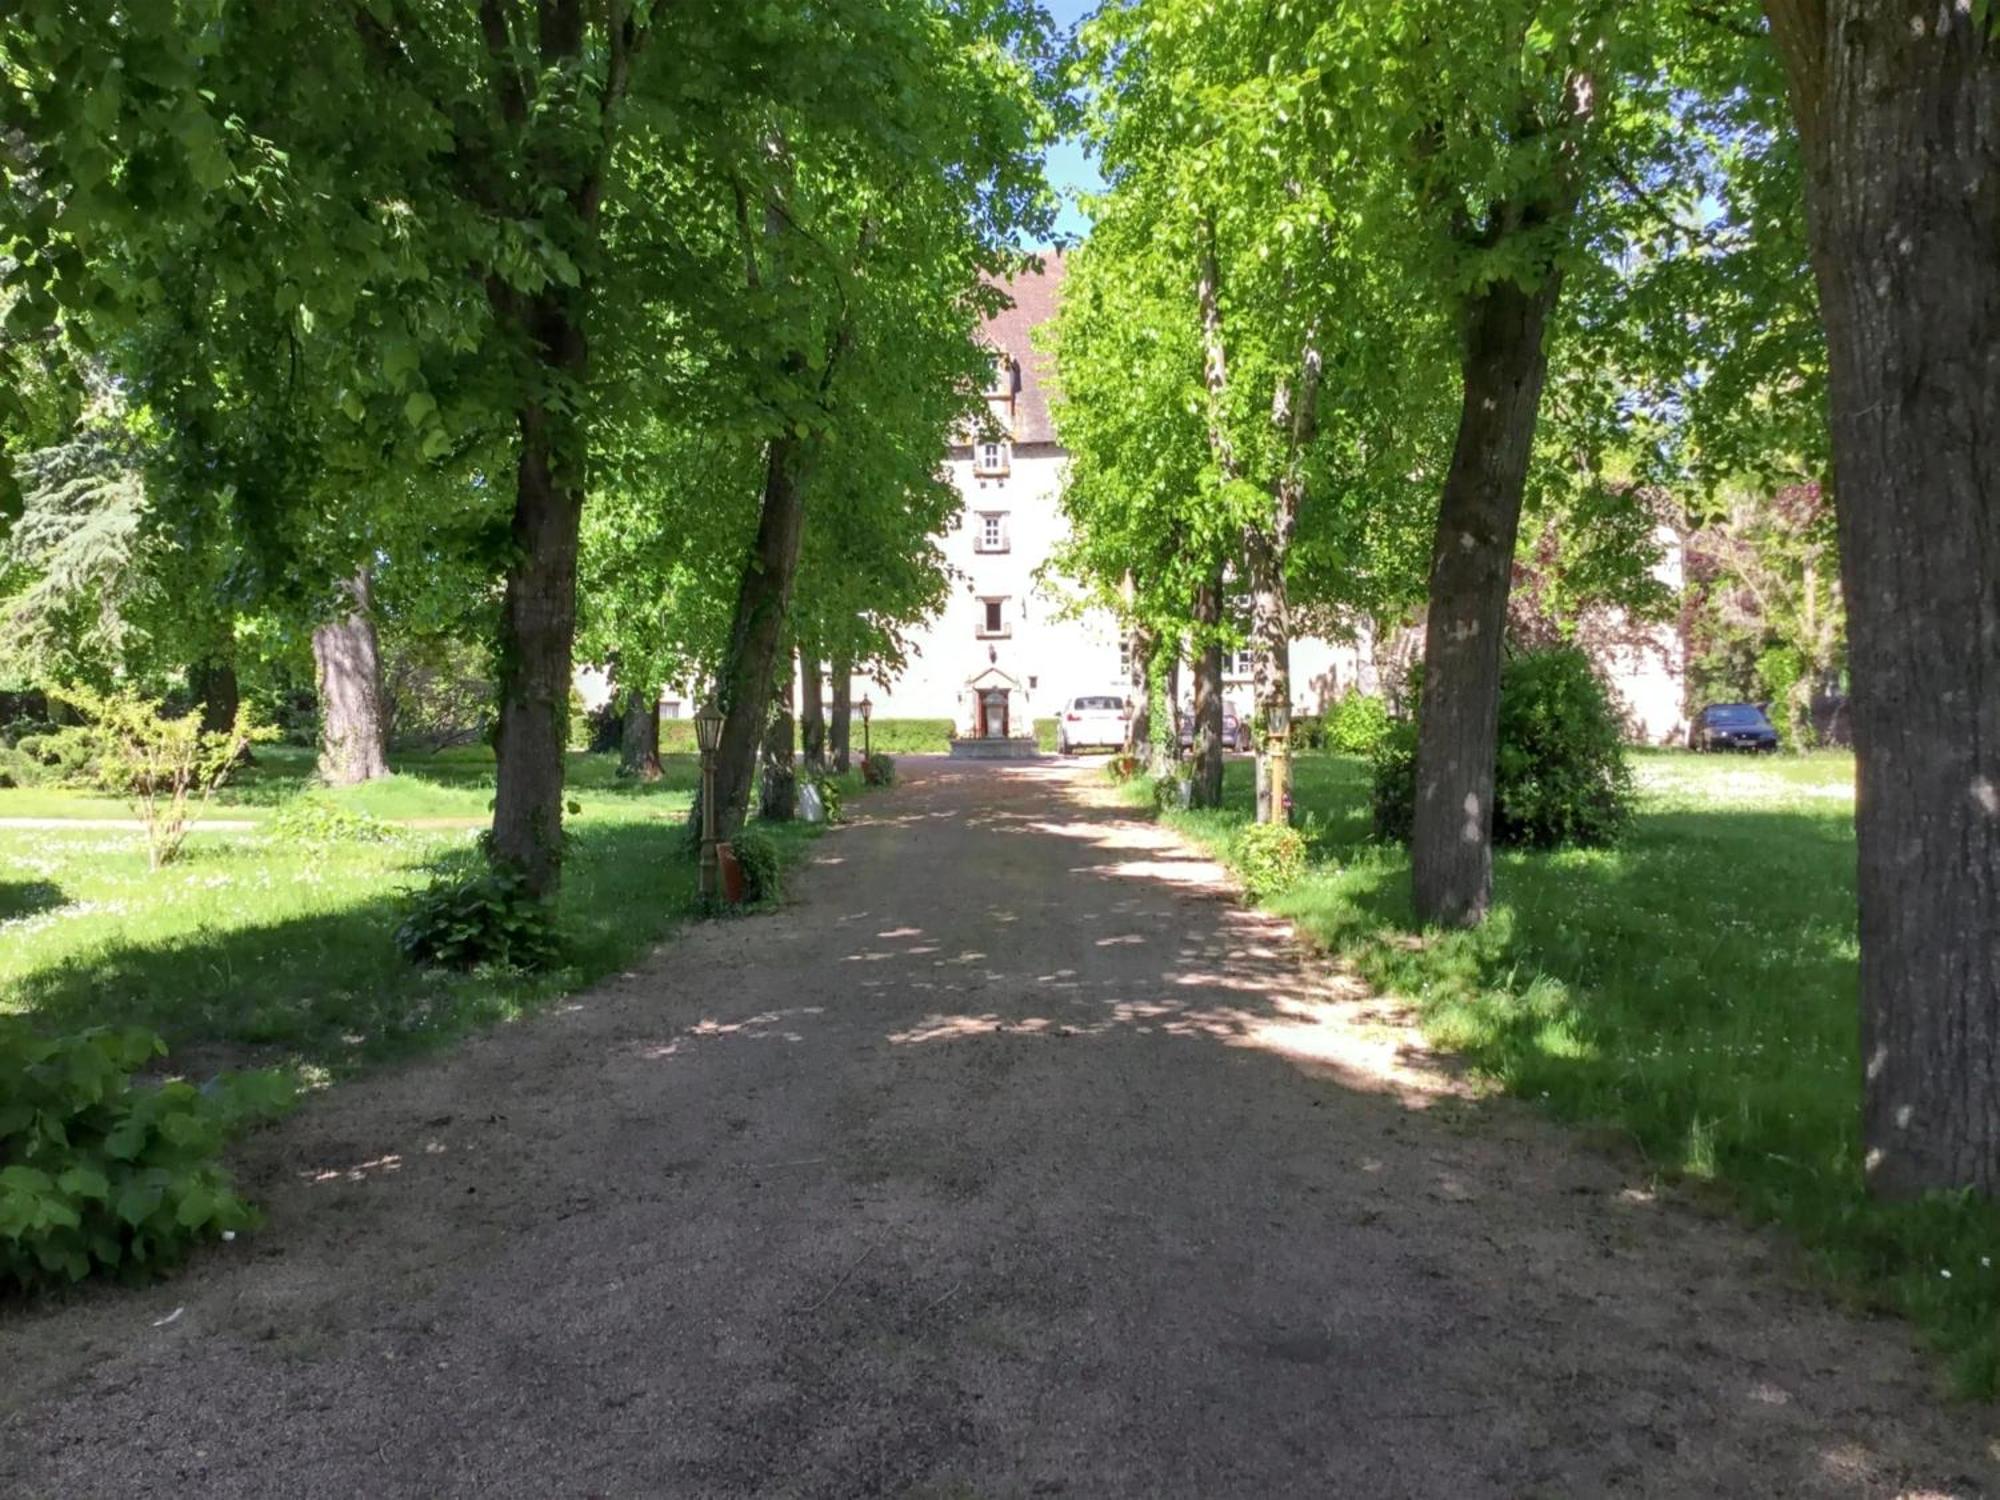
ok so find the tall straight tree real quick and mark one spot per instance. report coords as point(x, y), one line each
point(1898, 110)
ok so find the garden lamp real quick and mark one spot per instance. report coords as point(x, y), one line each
point(708, 735)
point(867, 711)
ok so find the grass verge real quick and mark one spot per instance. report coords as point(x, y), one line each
point(257, 949)
point(1695, 989)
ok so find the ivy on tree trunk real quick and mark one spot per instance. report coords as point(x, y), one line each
point(778, 790)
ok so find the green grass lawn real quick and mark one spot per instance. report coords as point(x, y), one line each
point(253, 949)
point(1694, 989)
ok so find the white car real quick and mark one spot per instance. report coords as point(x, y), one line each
point(1091, 721)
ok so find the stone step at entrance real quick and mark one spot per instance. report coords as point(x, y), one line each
point(994, 749)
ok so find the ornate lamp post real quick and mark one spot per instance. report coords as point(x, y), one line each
point(867, 710)
point(1278, 744)
point(708, 735)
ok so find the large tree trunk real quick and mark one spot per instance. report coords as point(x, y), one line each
point(1899, 116)
point(1163, 677)
point(841, 726)
point(778, 797)
point(1207, 790)
point(538, 628)
point(812, 714)
point(763, 601)
point(1472, 567)
point(1271, 659)
point(639, 736)
point(347, 666)
point(213, 685)
point(1138, 729)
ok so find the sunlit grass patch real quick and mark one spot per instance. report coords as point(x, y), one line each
point(260, 948)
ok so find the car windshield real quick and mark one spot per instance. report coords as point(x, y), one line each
point(1738, 716)
point(1098, 705)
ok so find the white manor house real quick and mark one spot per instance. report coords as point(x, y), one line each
point(1005, 650)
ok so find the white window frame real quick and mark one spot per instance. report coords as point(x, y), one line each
point(1001, 381)
point(992, 606)
point(991, 455)
point(992, 535)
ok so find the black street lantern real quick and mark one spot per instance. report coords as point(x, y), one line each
point(707, 736)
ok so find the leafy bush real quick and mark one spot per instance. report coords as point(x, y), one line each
point(437, 692)
point(103, 1174)
point(1560, 775)
point(1123, 767)
point(757, 852)
point(878, 769)
point(830, 795)
point(488, 918)
point(1269, 856)
point(1357, 724)
point(166, 767)
point(38, 753)
point(313, 822)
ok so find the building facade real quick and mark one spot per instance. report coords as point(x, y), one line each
point(1012, 646)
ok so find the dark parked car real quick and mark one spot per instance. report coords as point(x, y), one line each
point(1235, 733)
point(1732, 726)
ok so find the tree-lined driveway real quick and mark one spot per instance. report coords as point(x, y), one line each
point(1013, 1157)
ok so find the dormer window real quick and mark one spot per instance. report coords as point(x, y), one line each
point(1001, 381)
point(990, 456)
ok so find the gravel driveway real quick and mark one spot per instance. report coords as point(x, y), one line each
point(1012, 1158)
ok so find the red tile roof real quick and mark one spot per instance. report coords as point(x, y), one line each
point(1011, 331)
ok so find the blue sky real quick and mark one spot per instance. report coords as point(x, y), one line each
point(1068, 168)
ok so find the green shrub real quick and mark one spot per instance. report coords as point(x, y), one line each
point(830, 795)
point(1269, 856)
point(488, 918)
point(20, 767)
point(101, 1174)
point(757, 852)
point(1357, 724)
point(878, 769)
point(166, 766)
point(313, 822)
point(1560, 775)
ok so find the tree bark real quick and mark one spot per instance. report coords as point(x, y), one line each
point(763, 601)
point(538, 626)
point(1472, 568)
point(1899, 117)
point(1267, 541)
point(842, 722)
point(212, 683)
point(347, 667)
point(1138, 730)
point(1163, 734)
point(812, 714)
point(639, 736)
point(779, 790)
point(552, 378)
point(1207, 790)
